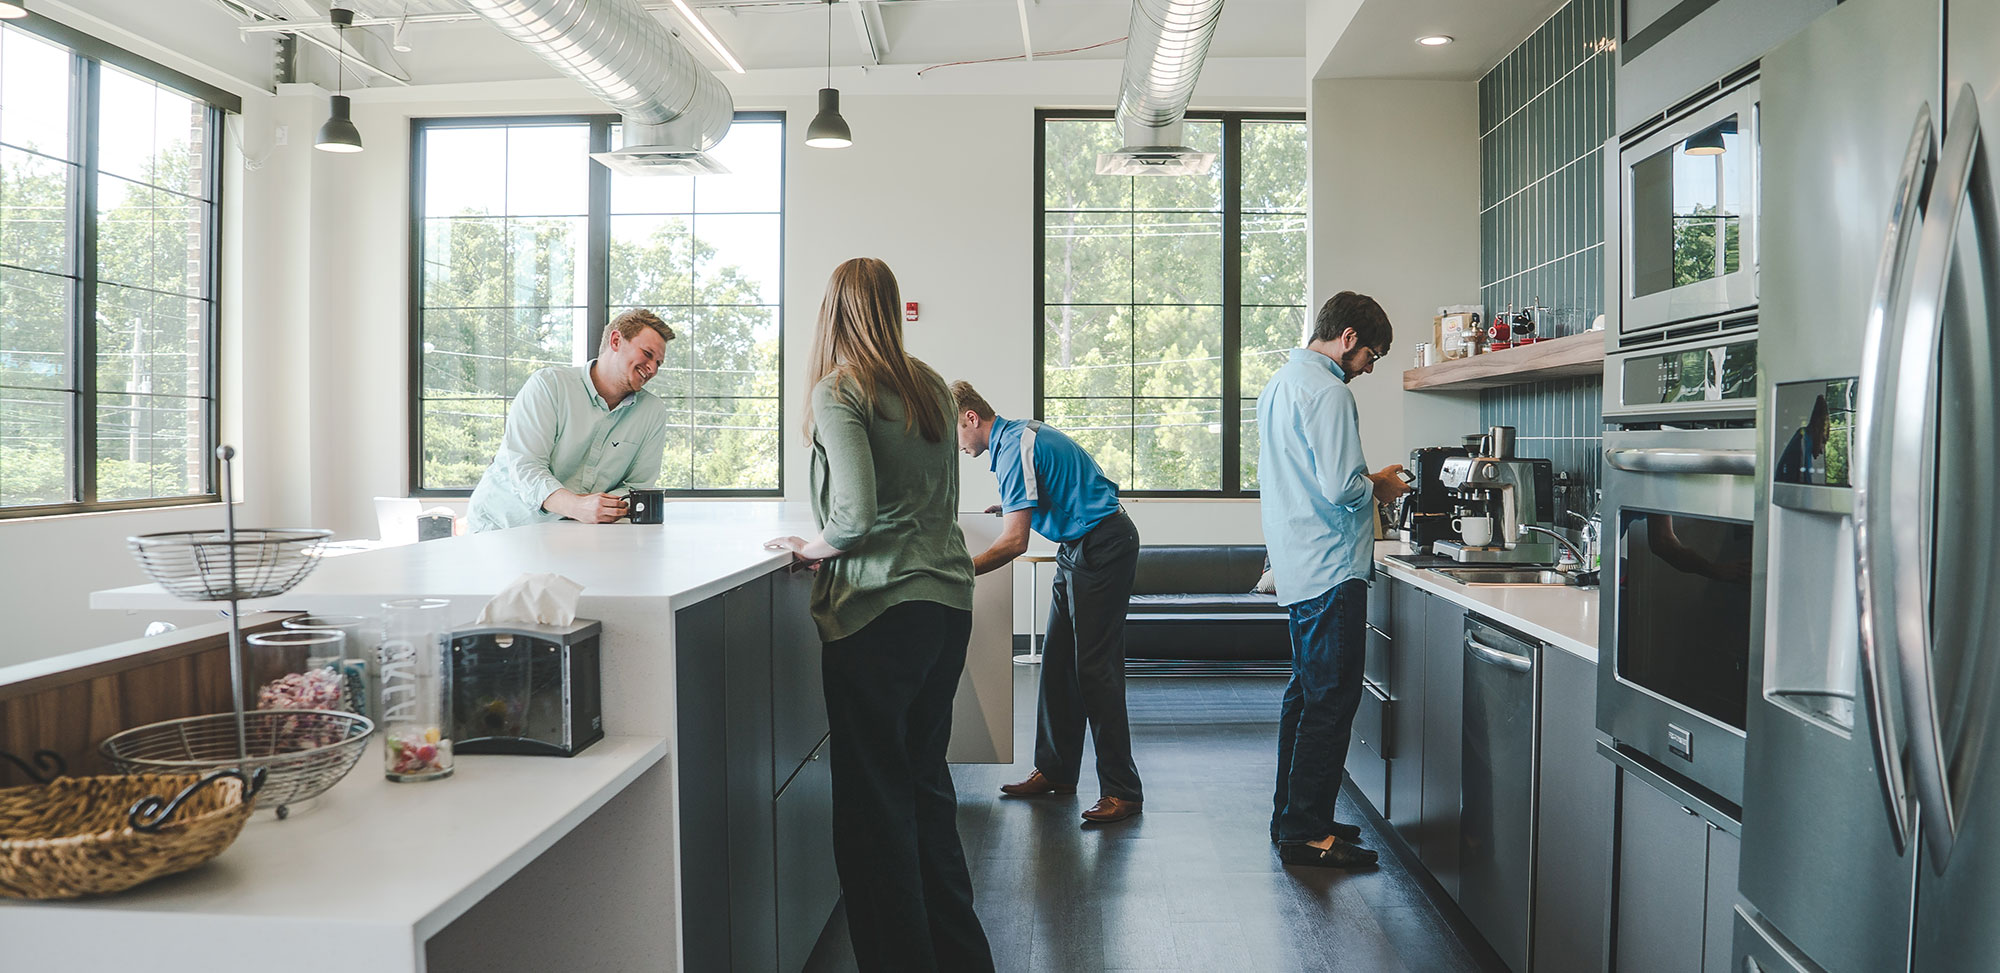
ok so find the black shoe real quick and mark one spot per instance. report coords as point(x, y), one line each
point(1338, 855)
point(1345, 832)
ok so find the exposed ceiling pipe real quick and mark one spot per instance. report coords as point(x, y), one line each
point(673, 109)
point(1169, 39)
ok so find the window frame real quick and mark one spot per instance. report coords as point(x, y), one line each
point(597, 285)
point(88, 57)
point(1231, 465)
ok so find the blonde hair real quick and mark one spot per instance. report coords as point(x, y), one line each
point(969, 400)
point(628, 324)
point(860, 338)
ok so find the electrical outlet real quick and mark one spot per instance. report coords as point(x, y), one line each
point(281, 136)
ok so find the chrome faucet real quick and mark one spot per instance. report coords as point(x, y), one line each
point(1560, 539)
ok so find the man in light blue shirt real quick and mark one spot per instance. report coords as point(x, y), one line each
point(1318, 504)
point(577, 432)
point(1048, 482)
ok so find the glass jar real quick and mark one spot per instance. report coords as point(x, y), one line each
point(358, 686)
point(414, 668)
point(296, 670)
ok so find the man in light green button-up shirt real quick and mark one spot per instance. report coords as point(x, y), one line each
point(577, 432)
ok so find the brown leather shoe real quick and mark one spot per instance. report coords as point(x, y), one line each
point(1109, 809)
point(1035, 786)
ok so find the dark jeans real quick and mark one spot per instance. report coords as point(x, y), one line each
point(1328, 643)
point(895, 827)
point(1083, 660)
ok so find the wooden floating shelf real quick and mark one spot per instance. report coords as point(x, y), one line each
point(1574, 356)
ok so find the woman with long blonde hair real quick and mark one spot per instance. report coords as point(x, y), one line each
point(893, 603)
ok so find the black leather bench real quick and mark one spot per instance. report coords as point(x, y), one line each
point(1193, 602)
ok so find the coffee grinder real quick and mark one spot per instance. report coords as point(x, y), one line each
point(1515, 492)
point(1425, 513)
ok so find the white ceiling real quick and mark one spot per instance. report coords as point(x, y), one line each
point(1380, 42)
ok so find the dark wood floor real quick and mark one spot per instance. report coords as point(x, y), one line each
point(1193, 883)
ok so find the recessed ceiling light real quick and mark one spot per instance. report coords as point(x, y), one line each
point(1435, 40)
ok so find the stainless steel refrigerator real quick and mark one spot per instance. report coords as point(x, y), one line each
point(1871, 815)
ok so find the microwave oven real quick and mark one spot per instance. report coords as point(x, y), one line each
point(1687, 202)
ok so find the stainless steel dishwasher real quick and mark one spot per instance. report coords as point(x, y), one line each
point(1498, 787)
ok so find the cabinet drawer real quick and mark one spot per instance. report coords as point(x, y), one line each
point(1372, 721)
point(1377, 651)
point(798, 700)
point(1380, 600)
point(1370, 773)
point(807, 885)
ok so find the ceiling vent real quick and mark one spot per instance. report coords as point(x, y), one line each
point(1169, 39)
point(673, 110)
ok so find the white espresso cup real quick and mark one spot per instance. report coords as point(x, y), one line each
point(1477, 531)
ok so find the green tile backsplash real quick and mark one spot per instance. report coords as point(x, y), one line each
point(1545, 112)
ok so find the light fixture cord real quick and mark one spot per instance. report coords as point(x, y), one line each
point(829, 43)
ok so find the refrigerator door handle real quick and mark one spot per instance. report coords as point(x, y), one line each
point(1916, 372)
point(1488, 654)
point(1871, 479)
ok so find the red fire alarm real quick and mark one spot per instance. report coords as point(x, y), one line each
point(910, 311)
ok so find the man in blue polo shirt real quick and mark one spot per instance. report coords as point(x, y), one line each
point(1318, 504)
point(1049, 483)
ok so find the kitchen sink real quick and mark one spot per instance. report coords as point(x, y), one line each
point(1493, 575)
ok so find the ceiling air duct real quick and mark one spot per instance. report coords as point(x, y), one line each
point(673, 110)
point(1163, 58)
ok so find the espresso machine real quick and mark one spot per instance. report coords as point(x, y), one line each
point(1515, 492)
point(1423, 516)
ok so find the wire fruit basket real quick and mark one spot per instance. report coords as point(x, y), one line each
point(302, 751)
point(210, 565)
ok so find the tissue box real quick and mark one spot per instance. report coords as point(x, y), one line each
point(526, 689)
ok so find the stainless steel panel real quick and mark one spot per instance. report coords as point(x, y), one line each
point(1496, 832)
point(1840, 102)
point(1955, 930)
point(1575, 792)
point(1759, 949)
point(1686, 52)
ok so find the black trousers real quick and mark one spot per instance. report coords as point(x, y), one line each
point(1083, 660)
point(895, 827)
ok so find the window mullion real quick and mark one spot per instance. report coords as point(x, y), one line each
point(1232, 304)
point(87, 115)
point(597, 236)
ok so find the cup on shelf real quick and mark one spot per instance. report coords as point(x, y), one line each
point(1476, 531)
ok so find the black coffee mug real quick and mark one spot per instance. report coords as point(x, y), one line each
point(646, 506)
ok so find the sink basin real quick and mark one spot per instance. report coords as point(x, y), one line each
point(1503, 575)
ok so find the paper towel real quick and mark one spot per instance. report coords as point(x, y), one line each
point(544, 599)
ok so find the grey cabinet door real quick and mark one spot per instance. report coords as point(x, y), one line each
point(1368, 763)
point(1376, 653)
point(1662, 854)
point(746, 660)
point(798, 700)
point(1444, 703)
point(1724, 851)
point(1406, 717)
point(808, 886)
point(700, 759)
point(1574, 822)
point(1381, 602)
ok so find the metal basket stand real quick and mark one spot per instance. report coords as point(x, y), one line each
point(232, 567)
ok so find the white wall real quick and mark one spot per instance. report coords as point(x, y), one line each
point(1395, 215)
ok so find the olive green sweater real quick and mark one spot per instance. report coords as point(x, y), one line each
point(889, 500)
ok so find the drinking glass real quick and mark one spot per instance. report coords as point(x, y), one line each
point(414, 662)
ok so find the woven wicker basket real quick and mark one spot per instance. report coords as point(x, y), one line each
point(75, 836)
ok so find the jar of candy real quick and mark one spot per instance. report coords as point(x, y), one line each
point(413, 665)
point(358, 692)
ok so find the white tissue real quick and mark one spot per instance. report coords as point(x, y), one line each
point(544, 599)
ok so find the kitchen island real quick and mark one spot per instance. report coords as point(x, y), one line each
point(691, 835)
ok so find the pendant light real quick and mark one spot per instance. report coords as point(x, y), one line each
point(828, 130)
point(1709, 141)
point(339, 133)
point(13, 9)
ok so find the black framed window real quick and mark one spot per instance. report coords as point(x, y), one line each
point(522, 249)
point(109, 192)
point(1166, 302)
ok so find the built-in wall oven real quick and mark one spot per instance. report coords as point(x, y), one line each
point(1674, 660)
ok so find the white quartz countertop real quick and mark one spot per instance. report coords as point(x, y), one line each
point(1557, 614)
point(354, 883)
point(705, 547)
